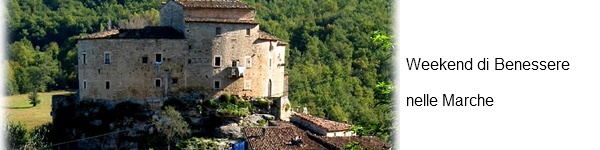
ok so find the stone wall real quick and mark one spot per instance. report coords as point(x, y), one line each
point(283, 108)
point(234, 45)
point(234, 14)
point(171, 14)
point(127, 75)
point(185, 63)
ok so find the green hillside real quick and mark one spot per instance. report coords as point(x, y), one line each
point(338, 50)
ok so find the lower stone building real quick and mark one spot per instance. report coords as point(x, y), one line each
point(322, 126)
point(287, 135)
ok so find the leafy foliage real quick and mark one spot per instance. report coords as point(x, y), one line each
point(198, 143)
point(34, 98)
point(18, 136)
point(172, 125)
point(228, 105)
point(339, 51)
point(40, 136)
point(41, 33)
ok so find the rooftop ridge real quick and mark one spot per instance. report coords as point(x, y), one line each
point(329, 125)
point(227, 4)
point(153, 32)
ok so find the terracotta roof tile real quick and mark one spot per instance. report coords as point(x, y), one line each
point(101, 34)
point(266, 36)
point(340, 142)
point(214, 4)
point(215, 20)
point(330, 126)
point(279, 137)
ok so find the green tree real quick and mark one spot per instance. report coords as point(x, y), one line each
point(172, 125)
point(34, 98)
point(40, 137)
point(42, 71)
point(13, 87)
point(18, 136)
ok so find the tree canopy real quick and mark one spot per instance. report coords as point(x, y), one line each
point(338, 50)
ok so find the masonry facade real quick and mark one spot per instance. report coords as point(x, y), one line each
point(215, 47)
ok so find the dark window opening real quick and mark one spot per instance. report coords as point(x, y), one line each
point(189, 46)
point(248, 32)
point(234, 63)
point(107, 58)
point(84, 59)
point(174, 80)
point(218, 31)
point(107, 85)
point(158, 57)
point(217, 61)
point(217, 84)
point(84, 85)
point(145, 59)
point(189, 61)
point(157, 82)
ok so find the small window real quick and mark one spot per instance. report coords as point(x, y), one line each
point(107, 85)
point(248, 32)
point(106, 58)
point(234, 63)
point(218, 32)
point(145, 59)
point(158, 58)
point(174, 80)
point(157, 82)
point(189, 46)
point(84, 84)
point(248, 61)
point(189, 61)
point(269, 63)
point(217, 85)
point(84, 58)
point(217, 61)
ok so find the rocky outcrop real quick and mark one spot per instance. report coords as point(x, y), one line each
point(230, 131)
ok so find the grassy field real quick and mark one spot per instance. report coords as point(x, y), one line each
point(19, 109)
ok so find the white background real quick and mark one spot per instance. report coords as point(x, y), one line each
point(532, 109)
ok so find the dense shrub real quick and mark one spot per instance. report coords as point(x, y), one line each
point(263, 102)
point(225, 98)
point(40, 136)
point(18, 136)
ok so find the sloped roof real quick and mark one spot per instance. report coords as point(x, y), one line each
point(213, 4)
point(369, 142)
point(149, 32)
point(217, 20)
point(279, 137)
point(330, 126)
point(101, 34)
point(266, 36)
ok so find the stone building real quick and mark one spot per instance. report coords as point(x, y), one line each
point(211, 46)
